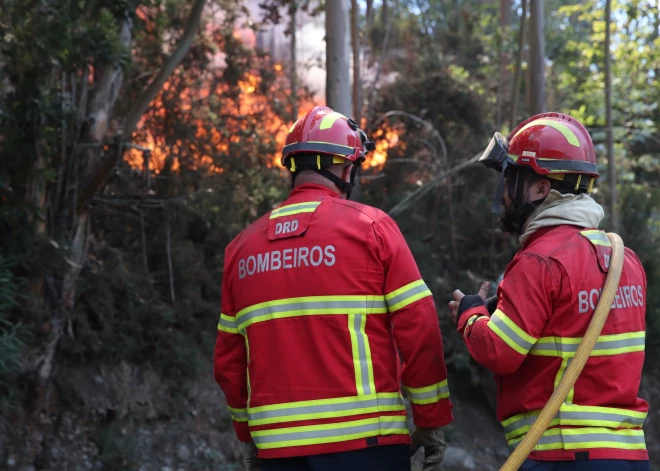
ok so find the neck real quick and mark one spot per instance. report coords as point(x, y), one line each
point(307, 177)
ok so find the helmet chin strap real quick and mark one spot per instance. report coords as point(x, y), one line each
point(522, 210)
point(345, 187)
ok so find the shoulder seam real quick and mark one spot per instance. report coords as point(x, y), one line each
point(383, 214)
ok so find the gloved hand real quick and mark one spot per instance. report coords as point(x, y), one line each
point(250, 460)
point(433, 441)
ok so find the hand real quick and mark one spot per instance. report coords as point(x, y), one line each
point(250, 460)
point(433, 441)
point(458, 296)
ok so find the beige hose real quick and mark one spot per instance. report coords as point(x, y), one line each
point(577, 363)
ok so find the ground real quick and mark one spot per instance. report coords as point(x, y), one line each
point(124, 417)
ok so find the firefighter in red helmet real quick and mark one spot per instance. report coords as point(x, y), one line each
point(321, 298)
point(546, 300)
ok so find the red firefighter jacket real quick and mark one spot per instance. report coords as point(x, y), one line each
point(545, 303)
point(319, 297)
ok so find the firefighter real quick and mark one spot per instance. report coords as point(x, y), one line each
point(545, 302)
point(324, 315)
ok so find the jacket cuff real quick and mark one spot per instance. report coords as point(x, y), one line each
point(242, 431)
point(468, 314)
point(433, 415)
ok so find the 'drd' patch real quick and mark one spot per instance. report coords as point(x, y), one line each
point(291, 220)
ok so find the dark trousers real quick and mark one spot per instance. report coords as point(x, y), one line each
point(381, 458)
point(586, 465)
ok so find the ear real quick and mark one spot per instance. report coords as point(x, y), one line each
point(540, 189)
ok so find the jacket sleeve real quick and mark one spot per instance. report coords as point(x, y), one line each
point(415, 328)
point(230, 362)
point(501, 341)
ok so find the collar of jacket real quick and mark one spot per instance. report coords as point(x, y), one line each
point(312, 188)
point(559, 209)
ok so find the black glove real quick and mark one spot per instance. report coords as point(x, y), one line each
point(468, 302)
point(433, 441)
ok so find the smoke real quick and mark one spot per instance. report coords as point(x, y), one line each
point(310, 45)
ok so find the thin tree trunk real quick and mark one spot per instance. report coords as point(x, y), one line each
point(357, 86)
point(370, 14)
point(611, 165)
point(515, 93)
point(293, 11)
point(504, 86)
point(170, 266)
point(338, 80)
point(537, 57)
point(384, 13)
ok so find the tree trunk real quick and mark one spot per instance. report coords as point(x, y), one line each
point(515, 93)
point(370, 14)
point(537, 58)
point(611, 165)
point(504, 87)
point(338, 80)
point(384, 14)
point(357, 84)
point(293, 11)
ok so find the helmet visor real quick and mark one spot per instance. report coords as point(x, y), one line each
point(496, 153)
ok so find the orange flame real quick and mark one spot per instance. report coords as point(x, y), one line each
point(386, 138)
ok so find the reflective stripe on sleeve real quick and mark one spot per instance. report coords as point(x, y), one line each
point(406, 295)
point(330, 433)
point(227, 324)
point(566, 347)
point(510, 333)
point(428, 394)
point(291, 209)
point(326, 408)
point(311, 305)
point(238, 415)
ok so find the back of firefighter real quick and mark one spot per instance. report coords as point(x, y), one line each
point(546, 300)
point(319, 298)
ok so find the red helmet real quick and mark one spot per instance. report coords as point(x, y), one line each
point(326, 133)
point(551, 144)
point(324, 137)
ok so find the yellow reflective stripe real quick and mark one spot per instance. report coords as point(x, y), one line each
point(227, 324)
point(597, 237)
point(247, 370)
point(238, 415)
point(326, 408)
point(367, 348)
point(589, 437)
point(306, 207)
point(310, 305)
point(575, 415)
point(559, 126)
point(428, 394)
point(330, 433)
point(364, 375)
point(615, 344)
point(293, 126)
point(510, 333)
point(560, 374)
point(406, 295)
point(329, 119)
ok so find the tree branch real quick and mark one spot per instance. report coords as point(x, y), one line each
point(99, 174)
